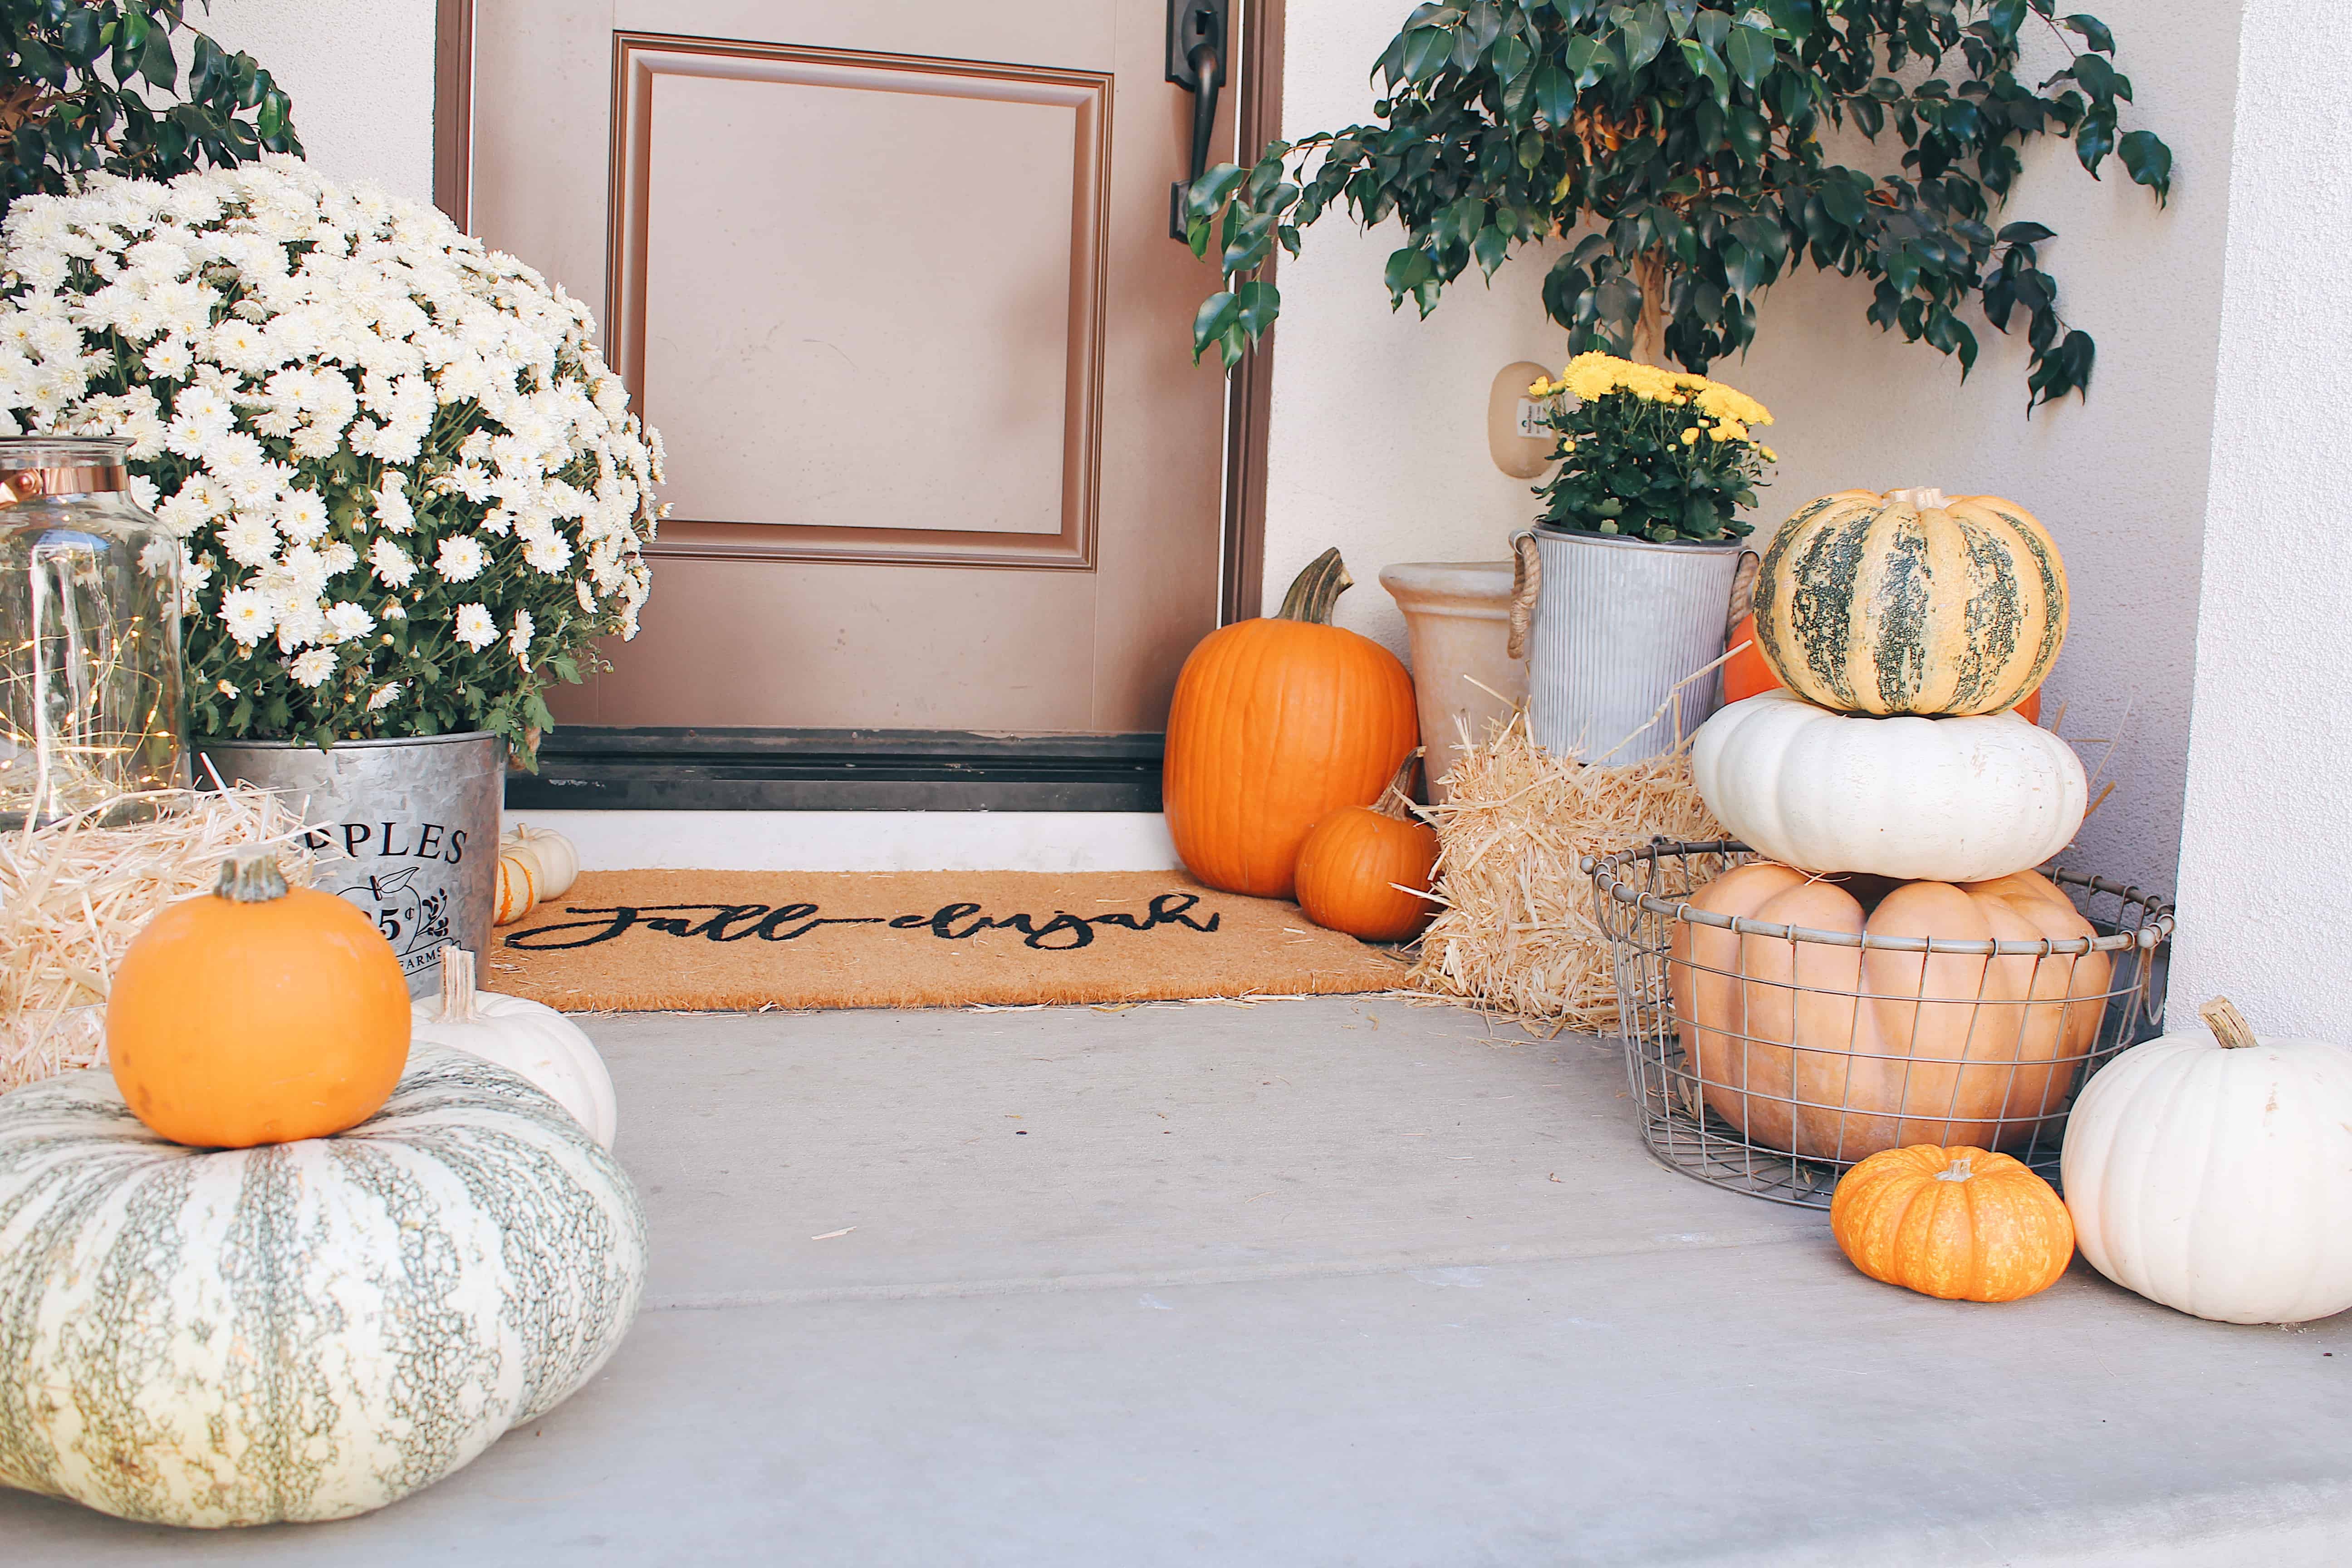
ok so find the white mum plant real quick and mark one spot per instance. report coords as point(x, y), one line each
point(408, 492)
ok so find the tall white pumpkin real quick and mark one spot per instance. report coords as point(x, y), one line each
point(2212, 1172)
point(303, 1331)
point(1929, 800)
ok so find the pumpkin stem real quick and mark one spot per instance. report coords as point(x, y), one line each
point(1958, 1171)
point(253, 877)
point(1397, 799)
point(1926, 499)
point(1315, 591)
point(456, 984)
point(2228, 1024)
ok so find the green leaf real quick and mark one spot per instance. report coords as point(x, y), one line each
point(2094, 31)
point(1751, 54)
point(2095, 138)
point(1586, 58)
point(1258, 304)
point(1644, 31)
point(1219, 313)
point(1510, 58)
point(1555, 94)
point(1210, 191)
point(1407, 270)
point(1426, 52)
point(2148, 160)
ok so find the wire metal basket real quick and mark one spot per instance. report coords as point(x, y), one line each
point(1768, 1058)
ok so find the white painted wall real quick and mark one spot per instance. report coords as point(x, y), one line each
point(360, 73)
point(1378, 441)
point(2267, 853)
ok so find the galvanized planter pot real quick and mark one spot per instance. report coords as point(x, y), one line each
point(1617, 624)
point(406, 829)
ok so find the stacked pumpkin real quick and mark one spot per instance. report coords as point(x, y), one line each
point(333, 1249)
point(1895, 794)
point(1291, 744)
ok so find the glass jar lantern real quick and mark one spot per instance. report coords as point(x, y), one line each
point(93, 718)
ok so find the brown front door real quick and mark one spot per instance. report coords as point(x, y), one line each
point(894, 280)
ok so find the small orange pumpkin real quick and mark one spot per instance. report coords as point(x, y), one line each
point(1962, 1224)
point(259, 1014)
point(1357, 864)
point(1276, 723)
point(1746, 674)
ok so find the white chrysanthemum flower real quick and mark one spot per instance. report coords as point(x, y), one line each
point(303, 515)
point(338, 557)
point(460, 558)
point(385, 696)
point(476, 629)
point(393, 510)
point(249, 539)
point(300, 624)
point(518, 640)
point(586, 595)
point(248, 615)
point(392, 566)
point(346, 620)
point(312, 669)
point(158, 556)
point(548, 553)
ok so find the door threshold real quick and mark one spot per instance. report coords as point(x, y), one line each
point(723, 770)
point(863, 840)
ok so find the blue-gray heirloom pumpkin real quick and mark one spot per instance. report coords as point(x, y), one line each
point(307, 1330)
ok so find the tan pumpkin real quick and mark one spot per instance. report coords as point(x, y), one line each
point(1911, 602)
point(1364, 868)
point(261, 1014)
point(1960, 1224)
point(1835, 1053)
point(517, 888)
point(1276, 723)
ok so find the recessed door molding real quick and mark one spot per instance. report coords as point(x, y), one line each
point(641, 62)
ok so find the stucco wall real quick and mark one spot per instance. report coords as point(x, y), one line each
point(360, 73)
point(1379, 434)
point(2267, 853)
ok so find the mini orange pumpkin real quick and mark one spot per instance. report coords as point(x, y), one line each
point(1276, 723)
point(259, 1014)
point(1957, 1223)
point(1356, 865)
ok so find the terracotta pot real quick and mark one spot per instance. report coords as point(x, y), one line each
point(1457, 618)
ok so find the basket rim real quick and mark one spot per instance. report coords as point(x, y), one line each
point(1605, 869)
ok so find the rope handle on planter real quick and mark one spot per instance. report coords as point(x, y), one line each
point(1526, 581)
point(1743, 592)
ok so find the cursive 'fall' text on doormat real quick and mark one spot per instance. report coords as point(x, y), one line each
point(637, 941)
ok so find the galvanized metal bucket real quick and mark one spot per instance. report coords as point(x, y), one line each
point(406, 829)
point(1616, 625)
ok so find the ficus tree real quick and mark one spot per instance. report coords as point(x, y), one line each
point(1686, 152)
point(72, 99)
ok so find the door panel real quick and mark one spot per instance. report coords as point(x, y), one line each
point(894, 280)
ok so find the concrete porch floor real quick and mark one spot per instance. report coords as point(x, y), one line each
point(1341, 1281)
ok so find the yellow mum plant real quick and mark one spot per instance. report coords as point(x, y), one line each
point(1652, 454)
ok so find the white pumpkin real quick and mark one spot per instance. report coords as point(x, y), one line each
point(2213, 1172)
point(523, 1037)
point(1936, 800)
point(559, 860)
point(517, 892)
point(306, 1330)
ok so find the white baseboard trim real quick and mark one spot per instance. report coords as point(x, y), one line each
point(864, 840)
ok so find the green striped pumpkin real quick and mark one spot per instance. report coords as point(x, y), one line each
point(1910, 603)
point(303, 1331)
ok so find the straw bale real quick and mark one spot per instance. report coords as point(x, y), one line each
point(1517, 932)
point(73, 894)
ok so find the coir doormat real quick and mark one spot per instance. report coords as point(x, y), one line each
point(635, 941)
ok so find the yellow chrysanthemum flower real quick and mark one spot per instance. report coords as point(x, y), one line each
point(1729, 430)
point(1724, 403)
point(1690, 436)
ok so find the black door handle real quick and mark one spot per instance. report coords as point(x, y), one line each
point(1196, 62)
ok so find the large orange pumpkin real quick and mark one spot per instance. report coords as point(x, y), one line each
point(1835, 1053)
point(1278, 723)
point(259, 1014)
point(1356, 867)
point(1958, 1223)
point(1746, 674)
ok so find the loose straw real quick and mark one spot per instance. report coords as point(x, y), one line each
point(73, 894)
